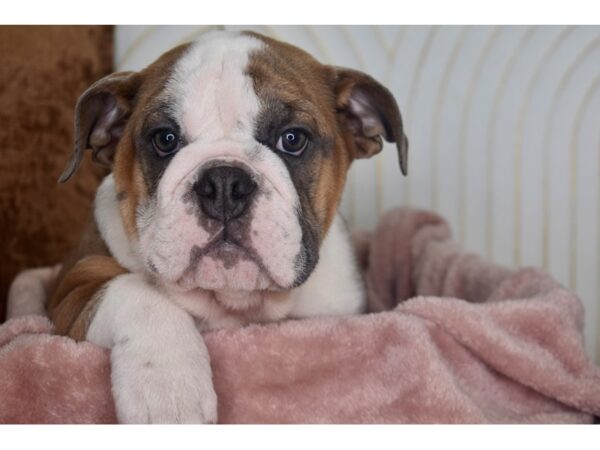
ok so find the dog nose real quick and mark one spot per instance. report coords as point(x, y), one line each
point(225, 192)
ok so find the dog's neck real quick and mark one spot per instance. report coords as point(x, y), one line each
point(218, 309)
point(110, 225)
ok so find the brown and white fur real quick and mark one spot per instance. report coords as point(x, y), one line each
point(154, 268)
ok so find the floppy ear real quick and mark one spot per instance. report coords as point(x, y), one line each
point(369, 111)
point(100, 117)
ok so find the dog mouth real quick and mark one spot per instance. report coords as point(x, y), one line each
point(229, 251)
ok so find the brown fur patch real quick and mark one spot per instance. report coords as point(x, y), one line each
point(73, 299)
point(130, 183)
point(90, 243)
point(330, 183)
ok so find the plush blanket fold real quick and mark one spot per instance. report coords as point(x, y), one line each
point(452, 339)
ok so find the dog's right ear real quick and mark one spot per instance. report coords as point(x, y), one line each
point(100, 117)
point(368, 110)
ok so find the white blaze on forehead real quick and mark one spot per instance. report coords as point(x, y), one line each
point(215, 97)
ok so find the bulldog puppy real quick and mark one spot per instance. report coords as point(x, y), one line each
point(229, 157)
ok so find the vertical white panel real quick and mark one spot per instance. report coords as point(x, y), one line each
point(562, 210)
point(529, 136)
point(478, 154)
point(479, 43)
point(373, 57)
point(500, 207)
point(585, 81)
point(587, 235)
point(423, 103)
point(418, 186)
point(444, 125)
point(124, 41)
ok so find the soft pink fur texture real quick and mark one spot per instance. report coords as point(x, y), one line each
point(469, 342)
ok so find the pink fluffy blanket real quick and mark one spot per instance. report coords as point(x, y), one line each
point(452, 338)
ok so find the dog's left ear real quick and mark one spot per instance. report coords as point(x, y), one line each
point(100, 117)
point(368, 110)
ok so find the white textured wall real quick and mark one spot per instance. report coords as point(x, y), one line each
point(504, 129)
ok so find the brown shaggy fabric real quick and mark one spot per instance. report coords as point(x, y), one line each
point(43, 70)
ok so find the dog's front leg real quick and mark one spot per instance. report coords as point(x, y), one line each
point(160, 365)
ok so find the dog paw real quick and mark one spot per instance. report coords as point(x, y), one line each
point(164, 386)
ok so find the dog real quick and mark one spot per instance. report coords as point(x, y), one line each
point(229, 156)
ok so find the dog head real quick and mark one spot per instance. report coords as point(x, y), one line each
point(230, 156)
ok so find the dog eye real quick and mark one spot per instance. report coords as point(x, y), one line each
point(165, 141)
point(292, 142)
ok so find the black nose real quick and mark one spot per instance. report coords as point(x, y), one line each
point(224, 192)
